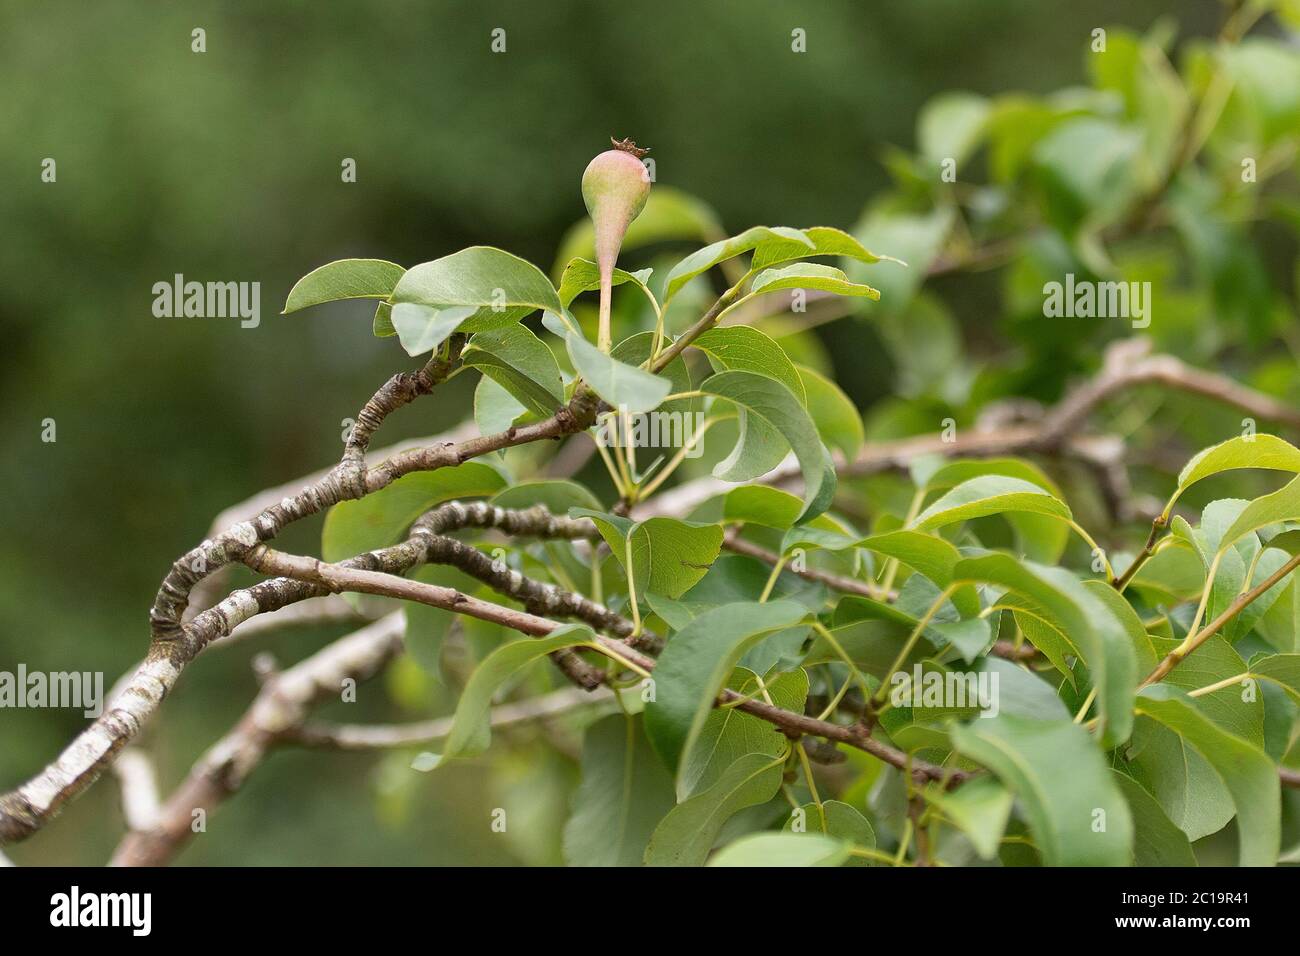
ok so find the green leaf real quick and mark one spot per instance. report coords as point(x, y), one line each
point(518, 361)
point(495, 409)
point(1281, 669)
point(624, 386)
point(624, 793)
point(1080, 614)
point(1087, 170)
point(769, 400)
point(1270, 562)
point(728, 734)
point(826, 241)
point(583, 275)
point(1213, 662)
point(1230, 574)
point(761, 505)
point(1156, 841)
point(472, 290)
point(918, 239)
point(1247, 451)
point(949, 474)
point(837, 419)
point(1047, 636)
point(635, 350)
point(1143, 650)
point(695, 664)
point(344, 279)
point(1041, 538)
point(950, 126)
point(980, 809)
point(382, 325)
point(745, 348)
point(426, 626)
point(685, 836)
point(668, 556)
point(808, 275)
point(378, 520)
point(760, 447)
point(1188, 789)
point(932, 556)
point(555, 494)
point(990, 495)
point(839, 820)
point(422, 328)
point(1060, 775)
point(1281, 505)
point(702, 260)
point(782, 849)
point(1245, 769)
point(922, 713)
point(471, 729)
point(735, 577)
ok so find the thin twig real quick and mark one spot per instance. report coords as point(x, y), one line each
point(1193, 641)
point(337, 577)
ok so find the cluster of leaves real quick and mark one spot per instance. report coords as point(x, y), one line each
point(1175, 166)
point(1088, 759)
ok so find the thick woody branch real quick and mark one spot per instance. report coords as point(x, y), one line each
point(344, 481)
point(402, 389)
point(339, 578)
point(329, 609)
point(280, 708)
point(251, 507)
point(1127, 365)
point(139, 784)
point(215, 586)
point(347, 481)
point(545, 600)
point(278, 718)
point(33, 804)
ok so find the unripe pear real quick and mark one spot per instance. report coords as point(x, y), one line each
point(615, 188)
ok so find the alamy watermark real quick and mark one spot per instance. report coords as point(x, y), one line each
point(1084, 299)
point(56, 689)
point(658, 429)
point(208, 300)
point(133, 911)
point(946, 689)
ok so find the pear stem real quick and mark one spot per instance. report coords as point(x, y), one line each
point(603, 338)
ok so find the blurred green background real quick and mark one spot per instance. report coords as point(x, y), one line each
point(225, 166)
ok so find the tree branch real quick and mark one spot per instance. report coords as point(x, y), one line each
point(1126, 366)
point(346, 481)
point(212, 588)
point(139, 783)
point(738, 545)
point(425, 732)
point(337, 577)
point(281, 707)
point(1193, 641)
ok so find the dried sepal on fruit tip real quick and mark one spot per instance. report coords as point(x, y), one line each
point(615, 188)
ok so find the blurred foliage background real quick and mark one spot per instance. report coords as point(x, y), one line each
point(225, 166)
